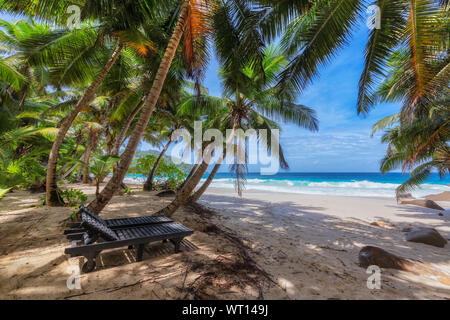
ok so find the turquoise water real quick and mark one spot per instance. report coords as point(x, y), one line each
point(328, 183)
point(333, 183)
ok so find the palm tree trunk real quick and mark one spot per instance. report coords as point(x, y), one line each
point(23, 98)
point(64, 168)
point(210, 178)
point(87, 156)
point(69, 172)
point(24, 91)
point(185, 192)
point(148, 185)
point(111, 187)
point(126, 126)
point(208, 181)
point(53, 198)
point(191, 173)
point(97, 188)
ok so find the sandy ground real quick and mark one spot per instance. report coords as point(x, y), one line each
point(263, 246)
point(310, 243)
point(33, 265)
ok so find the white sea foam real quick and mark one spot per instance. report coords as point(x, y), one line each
point(346, 188)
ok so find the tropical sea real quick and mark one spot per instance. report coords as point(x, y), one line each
point(334, 183)
point(329, 183)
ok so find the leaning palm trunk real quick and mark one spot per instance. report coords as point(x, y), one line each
point(191, 173)
point(119, 174)
point(185, 192)
point(190, 184)
point(66, 166)
point(148, 185)
point(208, 181)
point(53, 198)
point(87, 156)
point(24, 91)
point(122, 134)
point(23, 98)
point(72, 169)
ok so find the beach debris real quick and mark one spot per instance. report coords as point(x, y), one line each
point(370, 255)
point(380, 224)
point(428, 236)
point(37, 187)
point(424, 203)
point(166, 193)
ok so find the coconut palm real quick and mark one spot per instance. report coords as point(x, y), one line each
point(417, 136)
point(193, 22)
point(420, 145)
point(314, 30)
point(248, 99)
point(119, 20)
point(26, 50)
point(171, 115)
point(100, 168)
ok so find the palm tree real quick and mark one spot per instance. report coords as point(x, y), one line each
point(193, 22)
point(25, 48)
point(316, 29)
point(171, 115)
point(147, 109)
point(248, 97)
point(208, 181)
point(418, 135)
point(101, 167)
point(421, 145)
point(53, 198)
point(163, 135)
point(120, 20)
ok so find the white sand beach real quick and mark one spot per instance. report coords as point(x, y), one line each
point(310, 243)
point(303, 247)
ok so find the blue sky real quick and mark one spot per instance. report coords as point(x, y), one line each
point(343, 143)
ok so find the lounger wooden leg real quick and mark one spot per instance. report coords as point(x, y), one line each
point(90, 264)
point(140, 251)
point(176, 243)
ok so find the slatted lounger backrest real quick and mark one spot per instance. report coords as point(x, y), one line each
point(92, 215)
point(95, 227)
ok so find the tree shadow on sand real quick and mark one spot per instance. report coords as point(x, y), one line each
point(308, 229)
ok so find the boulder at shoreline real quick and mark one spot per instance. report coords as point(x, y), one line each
point(370, 255)
point(424, 203)
point(428, 236)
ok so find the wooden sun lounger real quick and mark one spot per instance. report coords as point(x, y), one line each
point(75, 227)
point(86, 244)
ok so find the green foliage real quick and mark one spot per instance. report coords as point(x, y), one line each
point(22, 172)
point(101, 167)
point(4, 191)
point(169, 175)
point(73, 197)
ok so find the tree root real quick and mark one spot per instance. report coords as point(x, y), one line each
point(246, 266)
